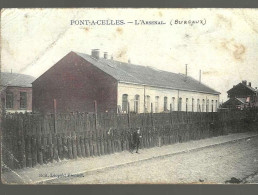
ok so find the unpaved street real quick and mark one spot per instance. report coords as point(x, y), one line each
point(216, 164)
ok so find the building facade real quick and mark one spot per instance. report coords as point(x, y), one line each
point(16, 92)
point(142, 98)
point(77, 80)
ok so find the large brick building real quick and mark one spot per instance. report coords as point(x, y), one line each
point(77, 80)
point(16, 92)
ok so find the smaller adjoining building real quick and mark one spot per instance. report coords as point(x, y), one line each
point(242, 96)
point(16, 92)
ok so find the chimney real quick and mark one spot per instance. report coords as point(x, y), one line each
point(200, 76)
point(186, 70)
point(250, 85)
point(244, 82)
point(95, 53)
point(106, 55)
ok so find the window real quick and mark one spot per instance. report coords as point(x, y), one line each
point(186, 104)
point(23, 99)
point(173, 103)
point(198, 106)
point(180, 104)
point(148, 103)
point(157, 104)
point(136, 103)
point(203, 103)
point(9, 99)
point(165, 103)
point(212, 105)
point(192, 104)
point(216, 104)
point(207, 108)
point(125, 103)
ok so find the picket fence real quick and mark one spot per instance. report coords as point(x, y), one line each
point(31, 139)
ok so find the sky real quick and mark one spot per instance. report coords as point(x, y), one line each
point(224, 47)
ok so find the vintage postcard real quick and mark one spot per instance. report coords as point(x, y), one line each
point(129, 96)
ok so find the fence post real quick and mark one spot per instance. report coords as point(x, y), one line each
point(95, 113)
point(96, 146)
point(171, 122)
point(152, 123)
point(128, 116)
point(55, 116)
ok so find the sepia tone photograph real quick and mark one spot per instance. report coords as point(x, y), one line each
point(129, 96)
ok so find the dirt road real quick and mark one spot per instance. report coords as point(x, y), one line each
point(231, 162)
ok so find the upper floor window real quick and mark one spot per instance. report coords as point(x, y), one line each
point(9, 99)
point(165, 103)
point(125, 103)
point(136, 103)
point(157, 104)
point(23, 99)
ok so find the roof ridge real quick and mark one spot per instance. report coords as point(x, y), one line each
point(146, 75)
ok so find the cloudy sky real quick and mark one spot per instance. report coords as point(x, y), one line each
point(225, 48)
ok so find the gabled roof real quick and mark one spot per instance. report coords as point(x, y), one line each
point(242, 85)
point(144, 75)
point(15, 79)
point(237, 101)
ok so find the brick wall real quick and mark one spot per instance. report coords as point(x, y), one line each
point(75, 84)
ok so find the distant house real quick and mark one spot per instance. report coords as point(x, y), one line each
point(242, 96)
point(16, 92)
point(78, 79)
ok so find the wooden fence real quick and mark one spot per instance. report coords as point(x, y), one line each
point(31, 139)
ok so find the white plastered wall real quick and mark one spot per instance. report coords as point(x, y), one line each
point(133, 89)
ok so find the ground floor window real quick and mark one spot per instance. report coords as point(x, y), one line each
point(124, 103)
point(203, 105)
point(180, 104)
point(192, 104)
point(136, 103)
point(186, 104)
point(198, 106)
point(156, 104)
point(165, 103)
point(212, 106)
point(207, 108)
point(9, 99)
point(23, 100)
point(173, 103)
point(148, 103)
